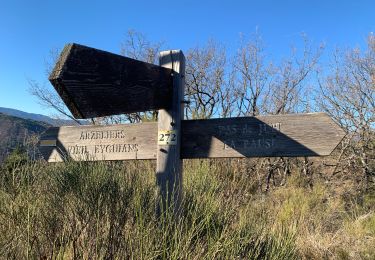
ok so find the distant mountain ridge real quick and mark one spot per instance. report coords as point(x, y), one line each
point(16, 131)
point(36, 117)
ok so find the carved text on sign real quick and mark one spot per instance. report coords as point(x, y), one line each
point(255, 143)
point(95, 135)
point(101, 149)
point(312, 134)
point(246, 136)
point(116, 148)
point(92, 143)
point(246, 129)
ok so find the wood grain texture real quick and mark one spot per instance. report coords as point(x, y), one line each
point(93, 143)
point(169, 163)
point(312, 134)
point(96, 83)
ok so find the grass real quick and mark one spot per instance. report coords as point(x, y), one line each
point(107, 211)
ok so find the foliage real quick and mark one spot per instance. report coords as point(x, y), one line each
point(107, 210)
point(274, 208)
point(348, 96)
point(16, 158)
point(251, 82)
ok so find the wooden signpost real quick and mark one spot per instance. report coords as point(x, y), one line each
point(96, 83)
point(313, 134)
point(169, 163)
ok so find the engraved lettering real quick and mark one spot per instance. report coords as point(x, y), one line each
point(121, 134)
point(133, 147)
point(247, 129)
point(234, 129)
point(115, 148)
point(109, 149)
point(262, 129)
point(276, 126)
point(226, 147)
point(269, 129)
point(267, 143)
point(83, 136)
point(110, 134)
point(221, 129)
point(77, 149)
point(252, 144)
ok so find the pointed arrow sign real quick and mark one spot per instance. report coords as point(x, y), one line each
point(95, 83)
point(313, 134)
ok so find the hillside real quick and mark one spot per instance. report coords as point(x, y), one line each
point(18, 131)
point(36, 117)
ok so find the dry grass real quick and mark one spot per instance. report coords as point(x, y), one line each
point(107, 210)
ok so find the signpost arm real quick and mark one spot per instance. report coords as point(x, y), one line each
point(169, 164)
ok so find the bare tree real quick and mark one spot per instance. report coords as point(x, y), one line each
point(46, 95)
point(50, 99)
point(137, 46)
point(286, 93)
point(254, 76)
point(264, 86)
point(206, 81)
point(287, 90)
point(348, 95)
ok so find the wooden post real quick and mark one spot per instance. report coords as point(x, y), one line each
point(169, 163)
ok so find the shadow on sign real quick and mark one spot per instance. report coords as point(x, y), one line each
point(251, 137)
point(266, 136)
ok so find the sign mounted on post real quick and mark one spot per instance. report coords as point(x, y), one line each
point(95, 83)
point(294, 135)
point(97, 143)
point(313, 134)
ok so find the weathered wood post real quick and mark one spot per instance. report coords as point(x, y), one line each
point(169, 163)
point(95, 83)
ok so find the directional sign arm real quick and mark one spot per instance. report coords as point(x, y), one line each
point(95, 83)
point(313, 134)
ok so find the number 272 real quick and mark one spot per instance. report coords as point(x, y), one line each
point(167, 137)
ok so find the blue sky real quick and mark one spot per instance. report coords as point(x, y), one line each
point(29, 30)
